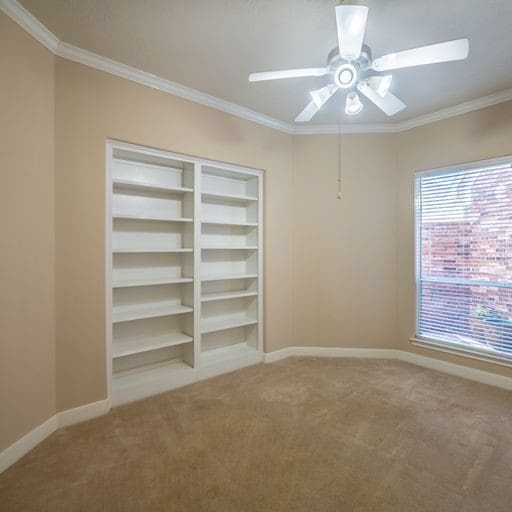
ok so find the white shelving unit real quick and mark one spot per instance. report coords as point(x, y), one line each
point(184, 244)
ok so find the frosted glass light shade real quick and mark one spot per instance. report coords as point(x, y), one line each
point(320, 96)
point(353, 104)
point(380, 84)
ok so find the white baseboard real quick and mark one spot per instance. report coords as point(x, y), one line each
point(85, 412)
point(492, 379)
point(458, 370)
point(366, 353)
point(277, 355)
point(82, 413)
point(146, 386)
point(229, 365)
point(62, 419)
point(22, 446)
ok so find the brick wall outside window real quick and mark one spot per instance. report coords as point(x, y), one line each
point(477, 246)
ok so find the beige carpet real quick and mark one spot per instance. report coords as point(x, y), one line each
point(302, 434)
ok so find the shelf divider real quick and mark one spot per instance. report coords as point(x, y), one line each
point(139, 185)
point(149, 281)
point(158, 332)
point(236, 198)
point(138, 346)
point(125, 313)
point(223, 277)
point(142, 250)
point(227, 295)
point(229, 222)
point(209, 325)
point(120, 215)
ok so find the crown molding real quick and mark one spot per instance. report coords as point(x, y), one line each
point(27, 22)
point(95, 61)
point(456, 110)
point(67, 51)
point(446, 113)
point(334, 129)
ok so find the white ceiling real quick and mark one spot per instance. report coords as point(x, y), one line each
point(212, 46)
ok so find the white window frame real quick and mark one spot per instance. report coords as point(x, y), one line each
point(432, 343)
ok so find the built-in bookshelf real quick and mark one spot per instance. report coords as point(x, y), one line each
point(184, 267)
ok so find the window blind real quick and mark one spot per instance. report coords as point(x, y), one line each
point(464, 258)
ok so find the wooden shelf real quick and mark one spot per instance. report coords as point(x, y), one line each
point(125, 313)
point(139, 185)
point(150, 217)
point(228, 223)
point(227, 295)
point(230, 248)
point(220, 324)
point(145, 344)
point(149, 281)
point(222, 277)
point(140, 250)
point(149, 380)
point(219, 355)
point(232, 198)
point(138, 375)
point(172, 297)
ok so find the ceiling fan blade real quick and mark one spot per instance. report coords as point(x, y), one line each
point(389, 103)
point(308, 113)
point(287, 73)
point(442, 52)
point(351, 23)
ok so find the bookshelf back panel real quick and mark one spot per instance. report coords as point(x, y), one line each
point(229, 285)
point(222, 236)
point(221, 211)
point(218, 262)
point(241, 307)
point(251, 336)
point(221, 185)
point(176, 353)
point(151, 204)
point(172, 294)
point(139, 234)
point(148, 328)
point(222, 181)
point(219, 339)
point(152, 169)
point(147, 174)
point(152, 265)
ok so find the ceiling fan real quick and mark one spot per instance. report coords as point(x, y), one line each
point(352, 68)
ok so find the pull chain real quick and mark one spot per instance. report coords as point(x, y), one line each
point(339, 162)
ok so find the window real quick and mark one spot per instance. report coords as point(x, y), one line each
point(464, 257)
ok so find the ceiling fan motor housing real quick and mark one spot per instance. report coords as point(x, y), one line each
point(346, 73)
point(351, 67)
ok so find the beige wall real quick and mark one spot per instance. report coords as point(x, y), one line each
point(93, 106)
point(479, 135)
point(345, 250)
point(337, 273)
point(27, 347)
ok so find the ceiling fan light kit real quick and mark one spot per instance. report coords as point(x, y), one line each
point(353, 104)
point(320, 96)
point(380, 84)
point(345, 76)
point(352, 68)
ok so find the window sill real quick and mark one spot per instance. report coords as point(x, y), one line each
point(448, 348)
